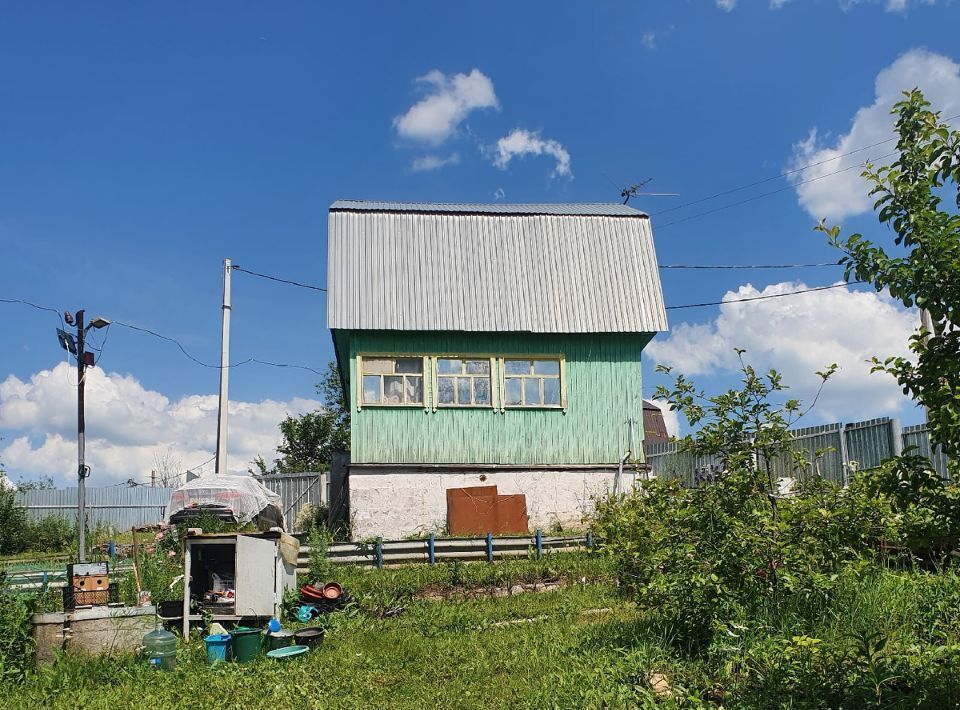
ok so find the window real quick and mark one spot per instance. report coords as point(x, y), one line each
point(462, 382)
point(533, 382)
point(396, 381)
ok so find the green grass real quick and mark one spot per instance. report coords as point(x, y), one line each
point(583, 645)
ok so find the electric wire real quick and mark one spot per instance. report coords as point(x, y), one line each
point(747, 266)
point(278, 279)
point(764, 297)
point(762, 195)
point(786, 173)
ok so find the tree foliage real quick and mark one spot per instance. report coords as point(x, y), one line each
point(311, 439)
point(923, 267)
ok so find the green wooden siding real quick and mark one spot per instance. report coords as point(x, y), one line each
point(603, 386)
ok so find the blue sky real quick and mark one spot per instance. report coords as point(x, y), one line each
point(142, 145)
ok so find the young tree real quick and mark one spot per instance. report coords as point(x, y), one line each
point(923, 268)
point(311, 439)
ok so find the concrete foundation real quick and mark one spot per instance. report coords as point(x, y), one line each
point(393, 502)
point(95, 630)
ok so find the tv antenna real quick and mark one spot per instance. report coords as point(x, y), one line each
point(635, 191)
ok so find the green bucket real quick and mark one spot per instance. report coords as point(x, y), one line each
point(246, 643)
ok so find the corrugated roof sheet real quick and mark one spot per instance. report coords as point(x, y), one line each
point(426, 266)
point(570, 208)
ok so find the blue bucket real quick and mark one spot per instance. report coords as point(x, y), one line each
point(217, 646)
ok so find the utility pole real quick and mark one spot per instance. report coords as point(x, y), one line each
point(82, 469)
point(84, 360)
point(221, 463)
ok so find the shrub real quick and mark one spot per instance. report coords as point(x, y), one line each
point(13, 522)
point(16, 641)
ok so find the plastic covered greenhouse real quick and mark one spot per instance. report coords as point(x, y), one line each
point(241, 499)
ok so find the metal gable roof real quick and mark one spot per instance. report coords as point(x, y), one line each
point(605, 209)
point(565, 268)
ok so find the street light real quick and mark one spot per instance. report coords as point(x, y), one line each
point(84, 360)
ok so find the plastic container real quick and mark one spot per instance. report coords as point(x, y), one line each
point(310, 636)
point(279, 639)
point(161, 649)
point(246, 644)
point(217, 647)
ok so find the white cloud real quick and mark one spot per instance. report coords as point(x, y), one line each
point(799, 335)
point(449, 100)
point(520, 142)
point(845, 194)
point(900, 6)
point(777, 4)
point(127, 426)
point(649, 40)
point(434, 162)
point(726, 5)
point(499, 194)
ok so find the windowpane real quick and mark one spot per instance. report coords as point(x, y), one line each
point(546, 367)
point(517, 367)
point(446, 366)
point(551, 390)
point(531, 391)
point(463, 390)
point(409, 365)
point(478, 367)
point(393, 389)
point(513, 391)
point(481, 390)
point(414, 390)
point(378, 365)
point(445, 387)
point(371, 390)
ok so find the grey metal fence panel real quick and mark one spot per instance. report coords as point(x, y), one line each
point(119, 507)
point(668, 461)
point(919, 436)
point(821, 451)
point(870, 442)
point(296, 490)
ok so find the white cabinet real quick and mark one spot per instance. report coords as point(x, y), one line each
point(250, 564)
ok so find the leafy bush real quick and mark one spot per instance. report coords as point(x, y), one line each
point(13, 521)
point(16, 641)
point(50, 534)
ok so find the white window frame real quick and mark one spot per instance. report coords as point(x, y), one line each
point(561, 376)
point(423, 375)
point(436, 375)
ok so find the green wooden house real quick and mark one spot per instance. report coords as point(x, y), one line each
point(489, 344)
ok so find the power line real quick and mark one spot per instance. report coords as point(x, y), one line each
point(786, 173)
point(761, 298)
point(763, 194)
point(34, 305)
point(746, 266)
point(208, 365)
point(279, 280)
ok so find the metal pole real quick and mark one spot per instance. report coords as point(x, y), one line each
point(926, 322)
point(81, 435)
point(221, 463)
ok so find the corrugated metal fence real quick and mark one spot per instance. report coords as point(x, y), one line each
point(297, 490)
point(834, 451)
point(121, 508)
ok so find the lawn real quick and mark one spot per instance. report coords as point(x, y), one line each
point(436, 637)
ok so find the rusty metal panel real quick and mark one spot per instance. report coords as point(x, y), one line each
point(480, 510)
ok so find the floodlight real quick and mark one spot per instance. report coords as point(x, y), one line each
point(98, 322)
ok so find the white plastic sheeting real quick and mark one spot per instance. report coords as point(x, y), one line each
point(244, 495)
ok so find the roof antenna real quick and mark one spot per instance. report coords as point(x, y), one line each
point(634, 191)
